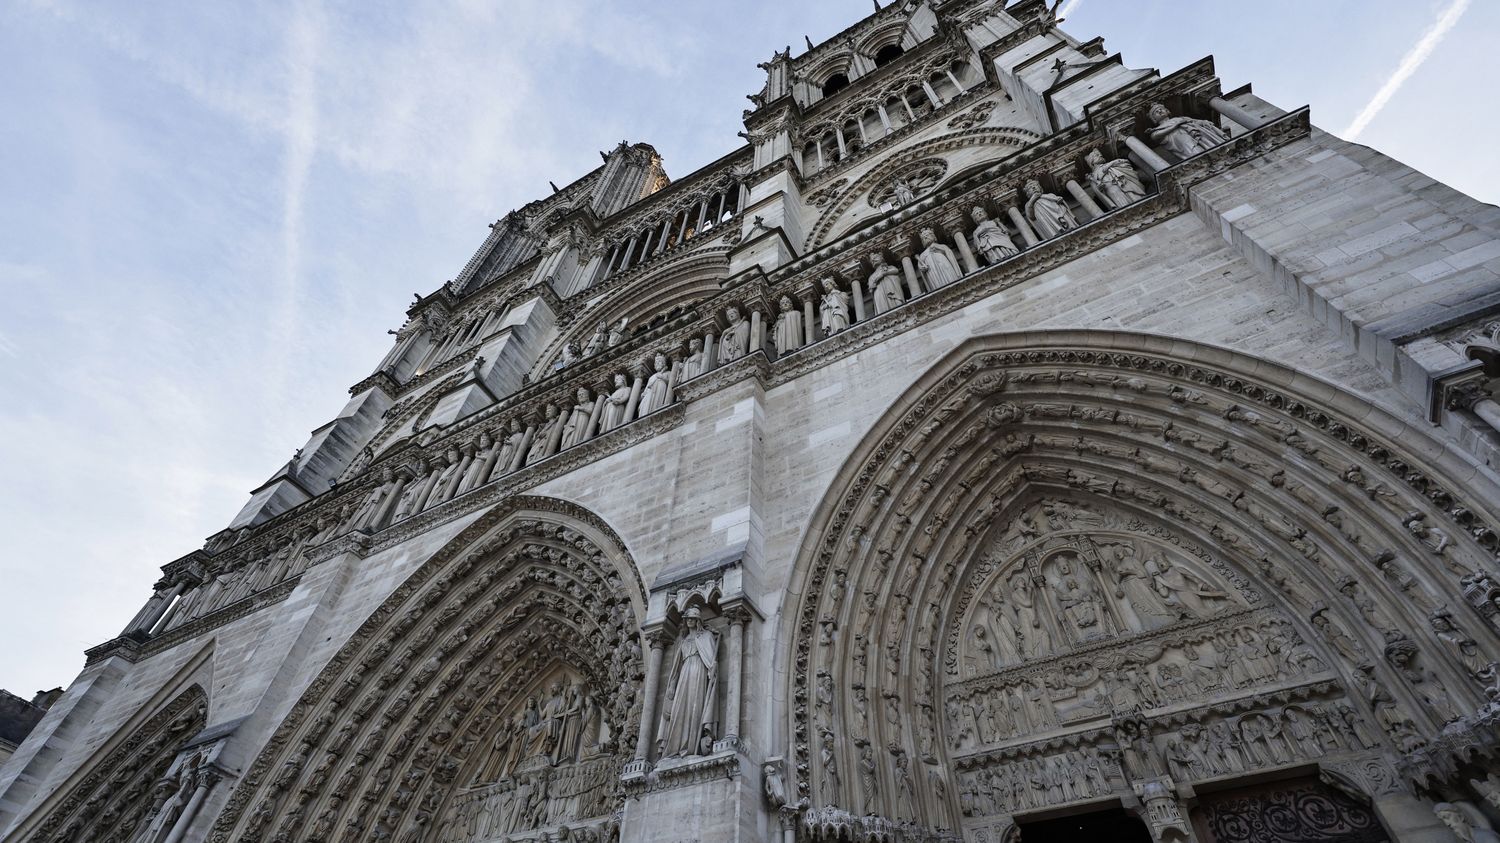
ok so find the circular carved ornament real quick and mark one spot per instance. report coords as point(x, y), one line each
point(909, 183)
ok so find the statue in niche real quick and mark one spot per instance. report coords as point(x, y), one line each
point(938, 263)
point(1183, 589)
point(1184, 136)
point(1115, 180)
point(169, 799)
point(1140, 603)
point(833, 310)
point(736, 339)
point(617, 333)
point(569, 355)
point(692, 685)
point(990, 238)
point(867, 780)
point(371, 504)
point(616, 404)
point(596, 342)
point(577, 424)
point(654, 396)
point(903, 195)
point(515, 434)
point(1388, 714)
point(828, 752)
point(1078, 603)
point(906, 797)
point(1402, 654)
point(1048, 212)
point(1026, 625)
point(543, 433)
point(1463, 646)
point(1467, 822)
point(787, 334)
point(697, 360)
point(885, 284)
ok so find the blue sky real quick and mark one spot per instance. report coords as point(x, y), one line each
point(212, 212)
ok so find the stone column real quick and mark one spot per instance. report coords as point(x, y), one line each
point(710, 352)
point(909, 269)
point(488, 466)
point(1087, 201)
point(596, 414)
point(403, 477)
point(857, 292)
point(965, 253)
point(424, 497)
point(463, 469)
point(1019, 221)
point(518, 459)
point(554, 436)
point(152, 610)
point(1148, 156)
point(658, 643)
point(1239, 115)
point(635, 394)
point(809, 329)
point(757, 332)
point(164, 623)
point(737, 619)
point(206, 782)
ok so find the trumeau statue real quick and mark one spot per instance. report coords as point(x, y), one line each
point(1184, 136)
point(788, 332)
point(937, 261)
point(990, 238)
point(615, 404)
point(885, 285)
point(658, 386)
point(1047, 211)
point(833, 311)
point(736, 340)
point(1116, 180)
point(691, 689)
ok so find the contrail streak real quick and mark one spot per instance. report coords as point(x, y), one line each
point(1409, 65)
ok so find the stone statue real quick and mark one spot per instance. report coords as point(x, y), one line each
point(904, 195)
point(1049, 214)
point(1184, 590)
point(1463, 646)
point(617, 333)
point(692, 685)
point(543, 433)
point(577, 424)
point(1078, 603)
point(885, 285)
point(1467, 822)
point(1027, 626)
point(1136, 589)
point(658, 386)
point(937, 261)
point(508, 451)
point(1115, 180)
point(828, 752)
point(596, 342)
point(834, 310)
point(615, 404)
point(774, 784)
point(1184, 136)
point(736, 339)
point(569, 355)
point(788, 331)
point(697, 360)
point(171, 797)
point(990, 238)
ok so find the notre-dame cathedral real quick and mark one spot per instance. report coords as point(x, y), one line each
point(1003, 444)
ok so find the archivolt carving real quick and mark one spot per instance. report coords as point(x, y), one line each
point(488, 694)
point(1068, 568)
point(111, 801)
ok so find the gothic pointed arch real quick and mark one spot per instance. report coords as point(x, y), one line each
point(492, 692)
point(1083, 568)
point(111, 800)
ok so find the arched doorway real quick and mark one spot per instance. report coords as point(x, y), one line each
point(1096, 571)
point(493, 693)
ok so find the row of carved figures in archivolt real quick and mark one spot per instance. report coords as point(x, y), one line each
point(580, 796)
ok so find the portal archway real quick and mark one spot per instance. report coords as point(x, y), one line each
point(1094, 569)
point(493, 692)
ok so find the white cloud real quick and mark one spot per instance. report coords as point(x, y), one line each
point(1409, 65)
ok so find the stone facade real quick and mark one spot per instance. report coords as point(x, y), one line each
point(1003, 442)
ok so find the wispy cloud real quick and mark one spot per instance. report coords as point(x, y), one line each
point(1069, 7)
point(1409, 65)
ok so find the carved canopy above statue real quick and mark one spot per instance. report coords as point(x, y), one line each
point(1067, 569)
